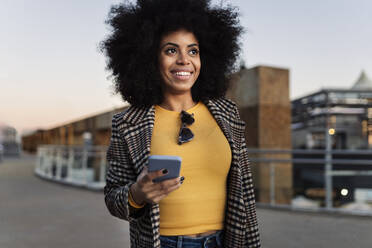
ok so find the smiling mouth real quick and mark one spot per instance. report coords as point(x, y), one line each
point(182, 75)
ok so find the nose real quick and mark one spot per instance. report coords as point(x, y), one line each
point(182, 59)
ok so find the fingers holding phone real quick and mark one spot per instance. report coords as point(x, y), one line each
point(163, 188)
point(157, 181)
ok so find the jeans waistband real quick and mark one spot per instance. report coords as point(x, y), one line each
point(210, 241)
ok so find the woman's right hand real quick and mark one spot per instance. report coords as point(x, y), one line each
point(145, 190)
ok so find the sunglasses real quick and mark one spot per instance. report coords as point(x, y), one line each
point(185, 134)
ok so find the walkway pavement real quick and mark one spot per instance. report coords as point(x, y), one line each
point(38, 213)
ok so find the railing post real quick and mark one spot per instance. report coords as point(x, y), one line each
point(39, 159)
point(328, 167)
point(71, 158)
point(59, 163)
point(272, 184)
point(50, 161)
point(44, 161)
point(85, 165)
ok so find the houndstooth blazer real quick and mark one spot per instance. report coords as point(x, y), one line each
point(128, 154)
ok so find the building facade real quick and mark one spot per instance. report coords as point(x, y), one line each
point(97, 127)
point(345, 113)
point(345, 117)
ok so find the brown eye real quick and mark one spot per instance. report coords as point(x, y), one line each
point(170, 50)
point(194, 52)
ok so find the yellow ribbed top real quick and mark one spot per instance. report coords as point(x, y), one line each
point(199, 204)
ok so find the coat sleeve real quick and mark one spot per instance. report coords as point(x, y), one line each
point(252, 232)
point(120, 176)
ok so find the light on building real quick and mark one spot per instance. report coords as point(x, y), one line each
point(364, 127)
point(331, 131)
point(333, 119)
point(344, 192)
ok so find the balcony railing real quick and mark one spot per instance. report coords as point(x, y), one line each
point(333, 163)
point(76, 165)
point(86, 167)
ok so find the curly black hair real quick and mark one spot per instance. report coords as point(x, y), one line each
point(137, 28)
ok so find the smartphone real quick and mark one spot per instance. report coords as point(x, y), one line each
point(171, 163)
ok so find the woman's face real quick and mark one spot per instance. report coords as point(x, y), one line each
point(179, 61)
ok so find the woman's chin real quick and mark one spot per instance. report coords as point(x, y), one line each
point(180, 87)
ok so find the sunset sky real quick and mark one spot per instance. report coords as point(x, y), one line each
point(51, 71)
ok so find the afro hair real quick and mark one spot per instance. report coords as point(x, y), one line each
point(132, 46)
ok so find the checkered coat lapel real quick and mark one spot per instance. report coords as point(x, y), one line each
point(128, 154)
point(241, 227)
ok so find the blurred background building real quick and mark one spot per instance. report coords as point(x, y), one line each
point(350, 112)
point(345, 115)
point(262, 95)
point(95, 128)
point(9, 145)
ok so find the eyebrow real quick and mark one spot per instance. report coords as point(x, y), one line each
point(176, 45)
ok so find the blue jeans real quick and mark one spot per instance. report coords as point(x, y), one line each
point(214, 240)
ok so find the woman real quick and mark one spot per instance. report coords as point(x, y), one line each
point(169, 60)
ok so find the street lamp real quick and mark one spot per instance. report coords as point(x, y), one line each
point(331, 131)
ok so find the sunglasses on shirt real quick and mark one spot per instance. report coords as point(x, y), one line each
point(185, 134)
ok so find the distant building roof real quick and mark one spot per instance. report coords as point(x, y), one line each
point(363, 82)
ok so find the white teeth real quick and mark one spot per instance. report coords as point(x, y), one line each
point(183, 73)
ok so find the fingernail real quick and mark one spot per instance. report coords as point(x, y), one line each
point(182, 178)
point(165, 171)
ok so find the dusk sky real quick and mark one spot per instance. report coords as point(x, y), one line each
point(51, 71)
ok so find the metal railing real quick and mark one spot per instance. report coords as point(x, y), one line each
point(330, 160)
point(77, 165)
point(86, 166)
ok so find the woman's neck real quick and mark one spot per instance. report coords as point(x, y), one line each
point(177, 103)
